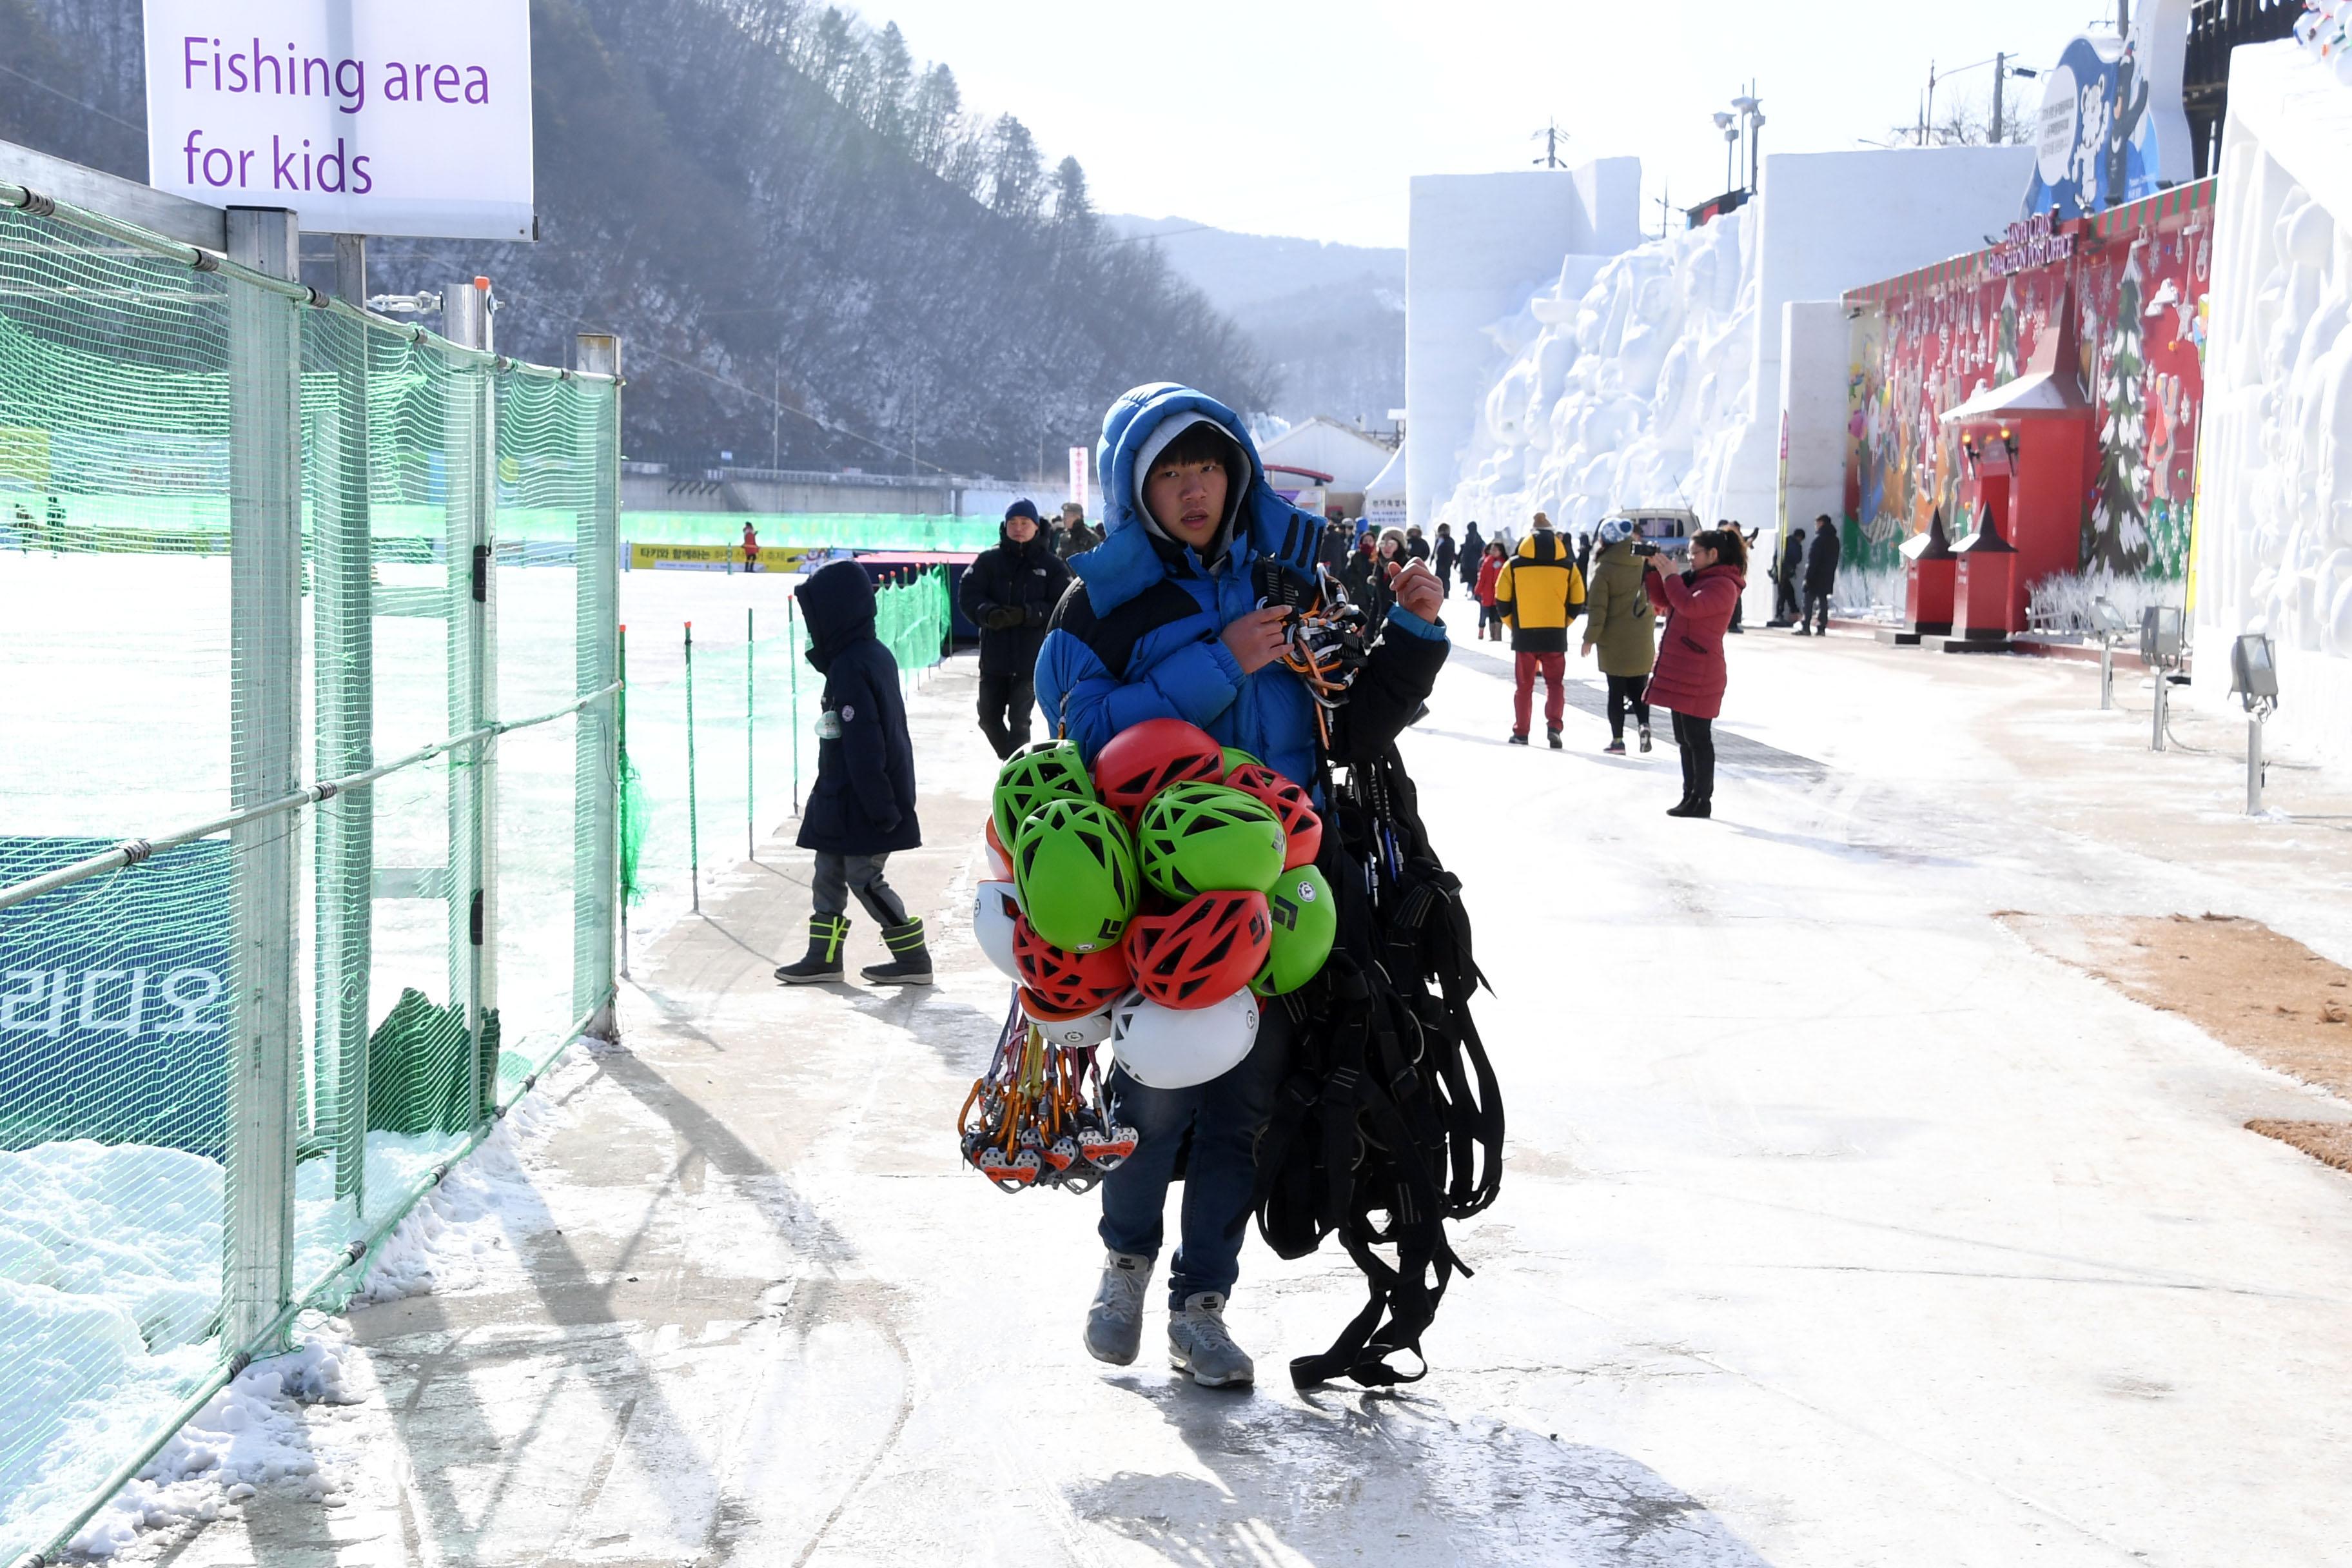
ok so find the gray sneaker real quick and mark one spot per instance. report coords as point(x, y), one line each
point(1198, 1343)
point(1115, 1322)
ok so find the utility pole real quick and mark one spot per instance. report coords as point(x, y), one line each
point(1666, 211)
point(1927, 111)
point(2123, 18)
point(1999, 75)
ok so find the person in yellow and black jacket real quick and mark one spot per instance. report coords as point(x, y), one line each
point(1539, 593)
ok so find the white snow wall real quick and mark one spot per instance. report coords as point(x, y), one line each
point(2273, 548)
point(1645, 382)
point(1478, 245)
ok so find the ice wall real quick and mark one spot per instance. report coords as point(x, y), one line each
point(1478, 245)
point(1655, 378)
point(1627, 383)
point(2275, 537)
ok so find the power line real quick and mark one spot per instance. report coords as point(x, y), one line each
point(70, 97)
point(827, 426)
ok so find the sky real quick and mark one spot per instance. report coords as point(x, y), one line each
point(1306, 116)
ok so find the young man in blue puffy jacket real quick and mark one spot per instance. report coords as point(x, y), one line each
point(1163, 622)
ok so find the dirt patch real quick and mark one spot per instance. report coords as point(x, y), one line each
point(2329, 1142)
point(2241, 982)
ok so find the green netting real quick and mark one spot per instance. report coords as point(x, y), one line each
point(719, 751)
point(244, 543)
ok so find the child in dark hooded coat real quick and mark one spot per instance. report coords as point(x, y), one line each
point(862, 807)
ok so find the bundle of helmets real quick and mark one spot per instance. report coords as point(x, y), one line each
point(1150, 901)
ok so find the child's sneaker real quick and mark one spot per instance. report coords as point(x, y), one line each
point(1198, 1343)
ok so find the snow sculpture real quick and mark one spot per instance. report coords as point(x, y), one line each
point(1628, 385)
point(2275, 551)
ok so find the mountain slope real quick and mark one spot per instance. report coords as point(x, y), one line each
point(1328, 320)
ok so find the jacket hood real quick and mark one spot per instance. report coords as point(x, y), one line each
point(1134, 554)
point(837, 603)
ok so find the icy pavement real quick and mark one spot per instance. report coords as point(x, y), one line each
point(1841, 1227)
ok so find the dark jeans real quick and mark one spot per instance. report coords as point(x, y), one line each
point(1225, 1116)
point(1786, 604)
point(1816, 605)
point(1626, 691)
point(838, 876)
point(1697, 739)
point(1005, 704)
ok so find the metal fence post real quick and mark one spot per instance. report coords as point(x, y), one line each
point(471, 545)
point(693, 804)
point(344, 677)
point(597, 859)
point(751, 745)
point(265, 403)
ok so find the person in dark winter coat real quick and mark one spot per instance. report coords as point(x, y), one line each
point(1440, 559)
point(862, 807)
point(1690, 676)
point(1416, 548)
point(1357, 576)
point(1473, 552)
point(1009, 593)
point(1339, 542)
point(1821, 578)
point(1788, 584)
point(1164, 623)
point(1071, 534)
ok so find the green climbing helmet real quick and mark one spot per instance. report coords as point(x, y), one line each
point(1073, 864)
point(1039, 772)
point(1198, 839)
point(1237, 757)
point(1305, 922)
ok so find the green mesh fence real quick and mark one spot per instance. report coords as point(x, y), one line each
point(247, 542)
point(718, 749)
point(814, 531)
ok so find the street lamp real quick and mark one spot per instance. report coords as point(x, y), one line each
point(1723, 122)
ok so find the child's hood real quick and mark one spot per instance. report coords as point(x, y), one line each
point(1139, 425)
point(837, 603)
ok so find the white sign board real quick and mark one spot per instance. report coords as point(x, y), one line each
point(391, 117)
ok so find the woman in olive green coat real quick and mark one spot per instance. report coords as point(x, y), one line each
point(1621, 622)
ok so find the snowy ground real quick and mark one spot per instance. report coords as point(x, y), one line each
point(1841, 1227)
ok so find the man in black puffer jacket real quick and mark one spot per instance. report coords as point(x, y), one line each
point(1009, 594)
point(862, 807)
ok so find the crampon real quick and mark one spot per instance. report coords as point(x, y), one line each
point(1040, 1117)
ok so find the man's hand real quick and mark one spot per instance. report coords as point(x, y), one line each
point(1257, 639)
point(1418, 590)
point(1588, 650)
point(1003, 617)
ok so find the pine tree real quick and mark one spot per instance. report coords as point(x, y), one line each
point(2119, 534)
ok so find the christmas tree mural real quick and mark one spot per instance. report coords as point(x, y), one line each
point(2119, 536)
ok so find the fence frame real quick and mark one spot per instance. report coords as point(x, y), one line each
point(270, 808)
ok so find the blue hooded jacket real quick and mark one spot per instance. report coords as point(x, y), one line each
point(1137, 636)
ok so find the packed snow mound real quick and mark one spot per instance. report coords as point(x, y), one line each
point(1626, 386)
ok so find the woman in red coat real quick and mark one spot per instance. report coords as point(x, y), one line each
point(1690, 677)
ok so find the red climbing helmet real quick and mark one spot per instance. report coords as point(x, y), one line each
point(1067, 985)
point(1291, 805)
point(1211, 946)
point(1144, 759)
